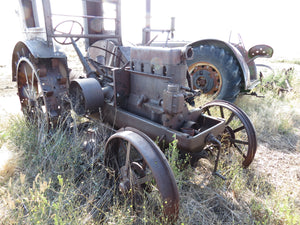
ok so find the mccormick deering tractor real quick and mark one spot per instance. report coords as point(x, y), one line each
point(142, 92)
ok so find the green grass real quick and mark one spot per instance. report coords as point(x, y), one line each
point(55, 180)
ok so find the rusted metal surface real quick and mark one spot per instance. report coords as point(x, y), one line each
point(42, 88)
point(186, 142)
point(256, 51)
point(206, 77)
point(86, 96)
point(33, 49)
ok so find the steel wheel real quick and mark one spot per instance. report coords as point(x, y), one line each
point(239, 138)
point(43, 84)
point(141, 172)
point(30, 92)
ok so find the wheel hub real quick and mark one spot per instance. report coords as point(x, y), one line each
point(124, 185)
point(203, 81)
point(228, 136)
point(206, 77)
point(130, 177)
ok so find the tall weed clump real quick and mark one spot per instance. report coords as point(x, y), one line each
point(58, 179)
point(276, 118)
point(276, 114)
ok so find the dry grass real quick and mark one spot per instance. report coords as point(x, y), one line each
point(54, 179)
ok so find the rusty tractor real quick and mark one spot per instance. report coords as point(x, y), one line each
point(142, 92)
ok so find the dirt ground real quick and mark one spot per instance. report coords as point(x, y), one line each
point(9, 101)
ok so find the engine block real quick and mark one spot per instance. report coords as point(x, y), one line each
point(156, 76)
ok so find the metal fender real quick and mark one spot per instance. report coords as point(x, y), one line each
point(233, 50)
point(33, 49)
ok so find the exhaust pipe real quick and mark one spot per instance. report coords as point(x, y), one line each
point(187, 52)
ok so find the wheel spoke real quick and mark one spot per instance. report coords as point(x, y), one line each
point(65, 40)
point(61, 32)
point(230, 118)
point(32, 78)
point(71, 28)
point(145, 179)
point(26, 75)
point(239, 150)
point(30, 88)
point(240, 142)
point(27, 89)
point(208, 111)
point(30, 85)
point(127, 161)
point(222, 112)
point(239, 129)
point(116, 162)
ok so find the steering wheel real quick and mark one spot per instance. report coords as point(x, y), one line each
point(73, 27)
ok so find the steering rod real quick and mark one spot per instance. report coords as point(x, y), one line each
point(90, 73)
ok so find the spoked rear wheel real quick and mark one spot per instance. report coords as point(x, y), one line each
point(42, 89)
point(141, 173)
point(30, 92)
point(239, 138)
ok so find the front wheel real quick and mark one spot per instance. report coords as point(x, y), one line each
point(215, 72)
point(239, 138)
point(141, 172)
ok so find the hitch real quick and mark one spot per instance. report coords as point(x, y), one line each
point(255, 95)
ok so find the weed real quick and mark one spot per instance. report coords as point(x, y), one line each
point(261, 214)
point(179, 163)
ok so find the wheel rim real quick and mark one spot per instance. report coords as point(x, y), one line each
point(141, 172)
point(30, 92)
point(239, 136)
point(206, 77)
